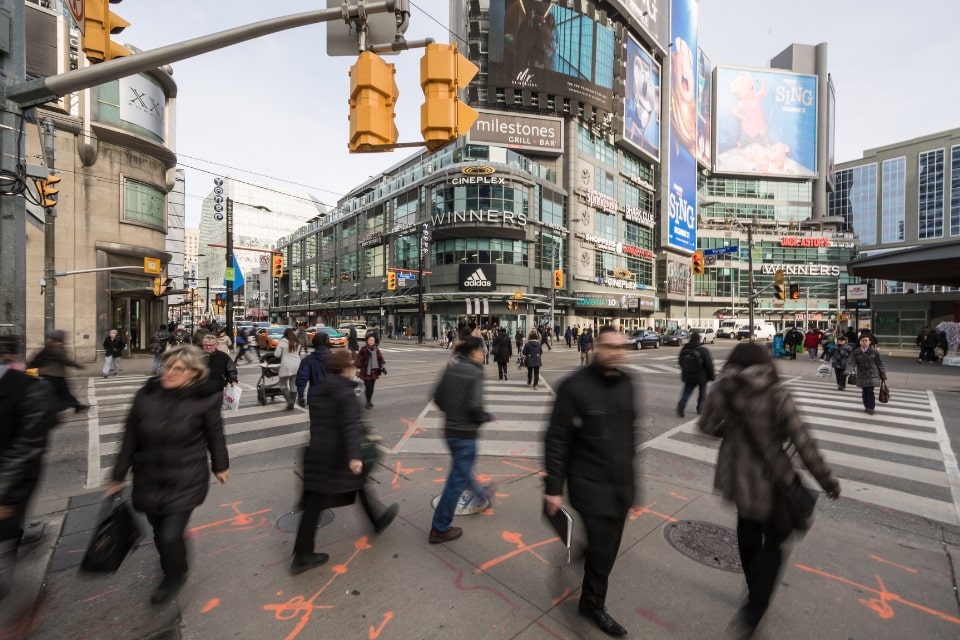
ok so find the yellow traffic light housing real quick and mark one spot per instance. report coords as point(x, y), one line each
point(278, 265)
point(373, 99)
point(443, 118)
point(47, 190)
point(780, 291)
point(99, 23)
point(794, 292)
point(558, 279)
point(696, 263)
point(392, 281)
point(157, 287)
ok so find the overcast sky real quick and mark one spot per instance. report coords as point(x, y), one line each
point(277, 106)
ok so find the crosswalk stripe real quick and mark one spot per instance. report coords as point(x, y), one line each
point(503, 448)
point(871, 429)
point(821, 435)
point(435, 424)
point(262, 445)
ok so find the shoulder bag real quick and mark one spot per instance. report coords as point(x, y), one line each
point(116, 534)
point(884, 396)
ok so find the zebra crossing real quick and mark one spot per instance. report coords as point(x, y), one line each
point(899, 458)
point(665, 364)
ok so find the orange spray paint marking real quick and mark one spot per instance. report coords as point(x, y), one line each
point(240, 522)
point(210, 605)
point(413, 429)
point(516, 539)
point(678, 496)
point(398, 470)
point(375, 632)
point(894, 564)
point(881, 603)
point(636, 512)
point(563, 596)
point(523, 467)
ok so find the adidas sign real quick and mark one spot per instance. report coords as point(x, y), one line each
point(477, 279)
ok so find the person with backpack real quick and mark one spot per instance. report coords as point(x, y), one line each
point(696, 369)
point(313, 369)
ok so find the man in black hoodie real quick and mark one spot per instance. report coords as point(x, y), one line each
point(696, 369)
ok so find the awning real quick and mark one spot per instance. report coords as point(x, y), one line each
point(936, 264)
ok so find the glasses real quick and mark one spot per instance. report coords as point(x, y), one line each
point(174, 370)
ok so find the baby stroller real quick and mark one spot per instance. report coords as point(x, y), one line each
point(268, 386)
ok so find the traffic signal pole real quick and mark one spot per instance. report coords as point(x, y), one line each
point(49, 239)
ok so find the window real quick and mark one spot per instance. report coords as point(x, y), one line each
point(855, 200)
point(550, 252)
point(349, 228)
point(405, 252)
point(348, 266)
point(893, 199)
point(143, 204)
point(955, 191)
point(930, 184)
point(373, 262)
point(551, 208)
point(375, 218)
point(480, 251)
point(606, 225)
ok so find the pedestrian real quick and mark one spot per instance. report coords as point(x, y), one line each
point(224, 343)
point(532, 353)
point(302, 338)
point(333, 470)
point(545, 337)
point(851, 333)
point(590, 446)
point(696, 369)
point(243, 341)
point(52, 362)
point(288, 351)
point(568, 336)
point(29, 411)
point(313, 368)
point(868, 333)
point(113, 346)
point(502, 353)
point(790, 341)
point(811, 342)
point(390, 330)
point(459, 394)
point(352, 342)
point(158, 343)
point(755, 414)
point(173, 423)
point(927, 340)
point(870, 373)
point(585, 346)
point(838, 360)
point(828, 344)
point(374, 331)
point(370, 366)
point(222, 370)
point(518, 338)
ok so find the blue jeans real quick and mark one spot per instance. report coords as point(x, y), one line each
point(463, 452)
point(688, 388)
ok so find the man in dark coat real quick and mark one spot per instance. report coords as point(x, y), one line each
point(792, 338)
point(113, 346)
point(590, 445)
point(28, 410)
point(696, 369)
point(502, 352)
point(223, 371)
point(313, 369)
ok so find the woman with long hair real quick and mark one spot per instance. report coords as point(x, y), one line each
point(288, 351)
point(370, 366)
point(755, 414)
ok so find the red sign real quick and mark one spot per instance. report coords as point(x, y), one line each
point(793, 241)
point(77, 11)
point(637, 252)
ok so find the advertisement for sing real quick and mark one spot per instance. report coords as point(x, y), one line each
point(766, 122)
point(641, 109)
point(682, 161)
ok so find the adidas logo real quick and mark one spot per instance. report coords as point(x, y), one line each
point(477, 279)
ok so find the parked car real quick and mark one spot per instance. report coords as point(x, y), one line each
point(360, 327)
point(707, 335)
point(336, 338)
point(269, 337)
point(728, 329)
point(676, 337)
point(641, 339)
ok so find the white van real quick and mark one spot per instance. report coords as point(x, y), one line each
point(761, 331)
point(728, 329)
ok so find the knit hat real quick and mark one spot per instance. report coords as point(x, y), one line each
point(57, 334)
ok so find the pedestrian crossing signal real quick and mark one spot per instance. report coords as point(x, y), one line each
point(392, 281)
point(794, 292)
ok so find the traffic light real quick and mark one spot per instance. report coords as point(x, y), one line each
point(278, 265)
point(391, 280)
point(794, 292)
point(47, 190)
point(558, 278)
point(780, 292)
point(778, 276)
point(99, 23)
point(696, 263)
point(443, 118)
point(373, 98)
point(157, 286)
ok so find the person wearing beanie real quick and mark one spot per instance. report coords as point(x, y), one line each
point(52, 362)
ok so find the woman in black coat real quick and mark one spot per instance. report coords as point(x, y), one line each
point(532, 358)
point(333, 461)
point(502, 352)
point(173, 423)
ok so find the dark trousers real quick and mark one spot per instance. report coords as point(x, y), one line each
point(62, 391)
point(368, 389)
point(501, 370)
point(313, 504)
point(533, 375)
point(688, 388)
point(761, 557)
point(168, 530)
point(603, 544)
point(791, 351)
point(869, 399)
point(841, 378)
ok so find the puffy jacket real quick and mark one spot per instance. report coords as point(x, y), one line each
point(811, 340)
point(223, 371)
point(29, 411)
point(166, 439)
point(838, 360)
point(334, 438)
point(114, 347)
point(533, 353)
point(313, 371)
point(869, 367)
point(459, 394)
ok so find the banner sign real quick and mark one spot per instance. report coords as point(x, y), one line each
point(477, 277)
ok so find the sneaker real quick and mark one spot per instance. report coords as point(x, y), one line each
point(871, 411)
point(679, 411)
point(306, 562)
point(437, 537)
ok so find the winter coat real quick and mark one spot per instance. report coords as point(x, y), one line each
point(363, 358)
point(459, 394)
point(224, 343)
point(335, 439)
point(53, 361)
point(352, 343)
point(313, 371)
point(811, 340)
point(792, 338)
point(752, 401)
point(166, 439)
point(868, 365)
point(590, 442)
point(113, 347)
point(29, 411)
point(223, 371)
point(838, 360)
point(706, 372)
point(533, 352)
point(586, 341)
point(289, 360)
point(502, 349)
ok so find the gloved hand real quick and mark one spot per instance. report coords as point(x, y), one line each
point(383, 372)
point(302, 401)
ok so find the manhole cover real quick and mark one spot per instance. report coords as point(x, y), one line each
point(705, 542)
point(467, 505)
point(289, 522)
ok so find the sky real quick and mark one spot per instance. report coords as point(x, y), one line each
point(274, 110)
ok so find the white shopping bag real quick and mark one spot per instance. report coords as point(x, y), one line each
point(231, 397)
point(824, 371)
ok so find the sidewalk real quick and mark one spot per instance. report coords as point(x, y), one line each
point(506, 578)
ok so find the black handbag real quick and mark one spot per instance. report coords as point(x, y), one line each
point(115, 536)
point(884, 395)
point(852, 379)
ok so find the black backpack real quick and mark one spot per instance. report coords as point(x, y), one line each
point(691, 360)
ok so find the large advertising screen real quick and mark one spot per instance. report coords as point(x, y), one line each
point(538, 46)
point(641, 103)
point(704, 110)
point(650, 15)
point(682, 195)
point(766, 123)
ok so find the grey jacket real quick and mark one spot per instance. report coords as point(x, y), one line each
point(869, 367)
point(459, 394)
point(753, 400)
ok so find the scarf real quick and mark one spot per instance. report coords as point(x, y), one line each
point(372, 361)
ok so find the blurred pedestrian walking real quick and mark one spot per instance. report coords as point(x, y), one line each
point(288, 351)
point(113, 346)
point(52, 362)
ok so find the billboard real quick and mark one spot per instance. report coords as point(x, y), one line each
point(641, 103)
point(704, 110)
point(831, 135)
point(541, 134)
point(541, 47)
point(682, 162)
point(766, 122)
point(649, 15)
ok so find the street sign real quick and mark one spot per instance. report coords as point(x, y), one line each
point(151, 265)
point(518, 295)
point(710, 261)
point(721, 250)
point(77, 11)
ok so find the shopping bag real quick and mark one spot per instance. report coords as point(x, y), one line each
point(824, 371)
point(113, 539)
point(231, 397)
